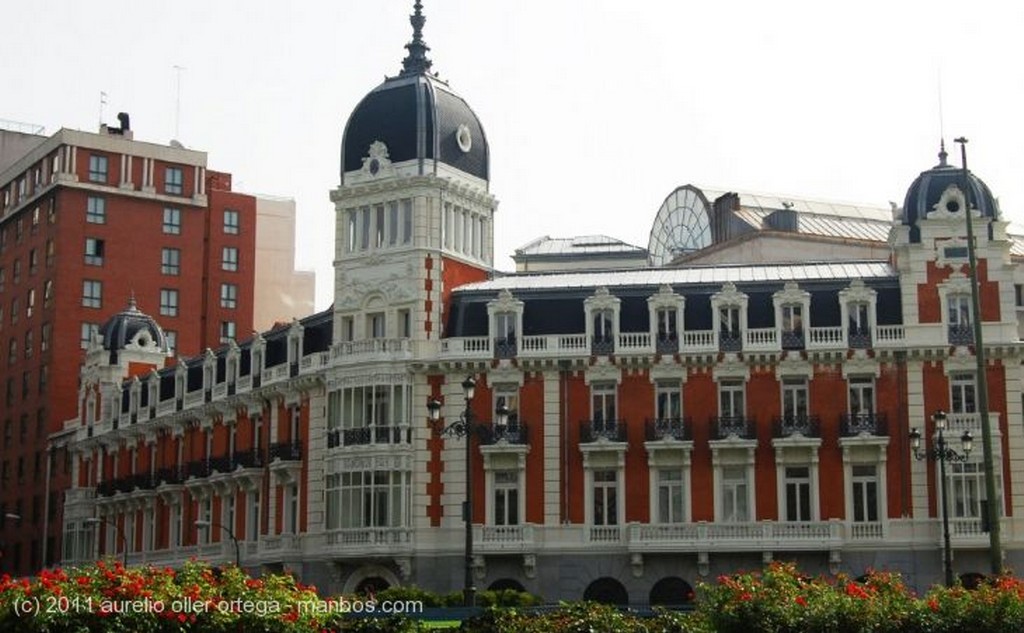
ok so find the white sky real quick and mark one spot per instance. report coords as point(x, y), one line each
point(595, 110)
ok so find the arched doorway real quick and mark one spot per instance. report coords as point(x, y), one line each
point(606, 591)
point(506, 584)
point(371, 585)
point(671, 591)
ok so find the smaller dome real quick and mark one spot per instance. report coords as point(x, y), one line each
point(928, 188)
point(131, 329)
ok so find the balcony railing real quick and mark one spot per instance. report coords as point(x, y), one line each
point(508, 434)
point(826, 337)
point(369, 435)
point(198, 468)
point(144, 481)
point(666, 344)
point(286, 451)
point(730, 341)
point(505, 347)
point(607, 430)
point(669, 429)
point(858, 338)
point(793, 339)
point(634, 342)
point(762, 338)
point(221, 464)
point(800, 424)
point(499, 538)
point(247, 459)
point(961, 335)
point(852, 424)
point(170, 476)
point(383, 538)
point(733, 426)
point(602, 345)
point(889, 335)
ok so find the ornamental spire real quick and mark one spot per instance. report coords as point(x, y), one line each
point(416, 62)
point(942, 153)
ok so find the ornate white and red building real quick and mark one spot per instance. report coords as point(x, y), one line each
point(665, 424)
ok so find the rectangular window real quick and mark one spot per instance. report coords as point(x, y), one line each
point(392, 223)
point(172, 221)
point(352, 230)
point(794, 398)
point(506, 497)
point(1018, 295)
point(797, 487)
point(228, 296)
point(667, 324)
point(602, 402)
point(858, 315)
point(405, 323)
point(96, 210)
point(668, 401)
point(168, 302)
point(735, 501)
point(862, 395)
point(348, 332)
point(865, 493)
point(252, 519)
point(231, 224)
point(670, 496)
point(92, 293)
point(227, 331)
point(729, 320)
point(33, 261)
point(173, 179)
point(792, 318)
point(172, 340)
point(378, 226)
point(505, 325)
point(229, 258)
point(603, 328)
point(97, 168)
point(959, 310)
point(30, 303)
point(967, 496)
point(375, 325)
point(367, 499)
point(962, 393)
point(170, 261)
point(364, 228)
point(731, 399)
point(89, 330)
point(406, 221)
point(508, 395)
point(606, 488)
point(93, 251)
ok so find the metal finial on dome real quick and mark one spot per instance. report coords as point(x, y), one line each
point(132, 306)
point(942, 153)
point(416, 62)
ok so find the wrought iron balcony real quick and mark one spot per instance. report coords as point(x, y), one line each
point(198, 468)
point(852, 424)
point(286, 451)
point(669, 429)
point(369, 435)
point(961, 335)
point(247, 459)
point(666, 344)
point(106, 488)
point(730, 341)
point(171, 476)
point(793, 339)
point(602, 345)
point(144, 481)
point(508, 434)
point(608, 430)
point(505, 347)
point(859, 338)
point(221, 464)
point(737, 426)
point(790, 425)
point(125, 484)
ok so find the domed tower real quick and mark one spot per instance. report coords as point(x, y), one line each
point(414, 211)
point(929, 241)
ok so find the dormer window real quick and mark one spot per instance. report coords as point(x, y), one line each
point(792, 326)
point(603, 332)
point(667, 324)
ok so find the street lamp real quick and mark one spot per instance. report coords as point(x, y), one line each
point(120, 534)
point(202, 523)
point(942, 454)
point(464, 427)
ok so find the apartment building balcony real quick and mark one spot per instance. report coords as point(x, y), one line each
point(730, 341)
point(858, 338)
point(862, 424)
point(669, 429)
point(762, 339)
point(503, 539)
point(801, 425)
point(372, 349)
point(666, 344)
point(602, 431)
point(961, 334)
point(279, 546)
point(602, 345)
point(793, 339)
point(286, 461)
point(369, 541)
point(698, 341)
point(389, 435)
point(734, 427)
point(889, 336)
point(826, 338)
point(735, 537)
point(509, 434)
point(633, 343)
point(957, 423)
point(505, 347)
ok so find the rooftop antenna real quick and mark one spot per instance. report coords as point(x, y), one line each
point(177, 103)
point(103, 102)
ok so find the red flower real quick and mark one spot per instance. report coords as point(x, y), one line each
point(182, 618)
point(802, 601)
point(745, 596)
point(933, 604)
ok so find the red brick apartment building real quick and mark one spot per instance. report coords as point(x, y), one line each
point(91, 222)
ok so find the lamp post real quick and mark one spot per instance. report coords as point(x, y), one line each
point(464, 427)
point(120, 534)
point(202, 523)
point(992, 508)
point(942, 453)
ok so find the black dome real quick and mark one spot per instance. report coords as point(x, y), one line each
point(927, 189)
point(417, 116)
point(130, 328)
